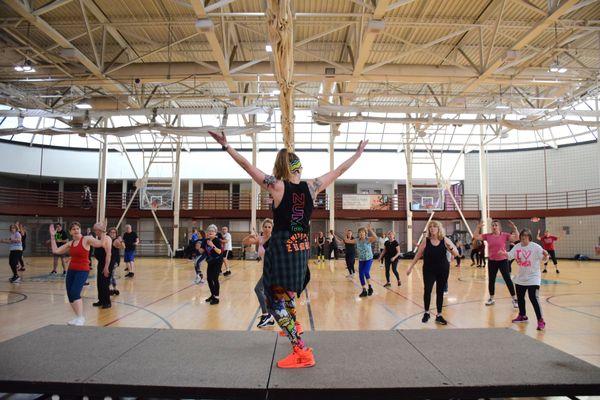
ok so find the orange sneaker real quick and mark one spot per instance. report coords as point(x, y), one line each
point(299, 358)
point(298, 329)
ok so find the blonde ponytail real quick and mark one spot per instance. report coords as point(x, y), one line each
point(281, 169)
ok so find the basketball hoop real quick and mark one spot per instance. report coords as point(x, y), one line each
point(535, 219)
point(429, 208)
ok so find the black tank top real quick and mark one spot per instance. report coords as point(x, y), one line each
point(350, 247)
point(321, 241)
point(294, 211)
point(100, 255)
point(435, 256)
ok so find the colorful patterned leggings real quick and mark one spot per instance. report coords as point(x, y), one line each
point(282, 306)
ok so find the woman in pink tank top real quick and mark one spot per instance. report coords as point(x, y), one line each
point(497, 261)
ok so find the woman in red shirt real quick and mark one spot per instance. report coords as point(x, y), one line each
point(548, 245)
point(79, 266)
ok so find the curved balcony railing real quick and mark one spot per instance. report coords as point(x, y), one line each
point(242, 201)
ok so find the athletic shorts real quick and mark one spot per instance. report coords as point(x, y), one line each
point(129, 256)
point(226, 254)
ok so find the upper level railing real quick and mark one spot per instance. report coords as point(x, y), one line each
point(242, 201)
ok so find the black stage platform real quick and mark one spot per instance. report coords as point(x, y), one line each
point(445, 363)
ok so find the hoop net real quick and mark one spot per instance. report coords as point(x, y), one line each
point(429, 208)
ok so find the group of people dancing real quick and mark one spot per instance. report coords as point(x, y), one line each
point(284, 247)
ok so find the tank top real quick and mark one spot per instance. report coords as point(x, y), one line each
point(263, 245)
point(100, 255)
point(80, 257)
point(435, 256)
point(321, 241)
point(350, 248)
point(294, 211)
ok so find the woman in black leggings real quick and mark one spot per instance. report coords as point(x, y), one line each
point(390, 254)
point(436, 267)
point(350, 253)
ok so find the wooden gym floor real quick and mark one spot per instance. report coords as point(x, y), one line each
point(162, 295)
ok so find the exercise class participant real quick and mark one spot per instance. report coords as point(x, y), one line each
point(23, 231)
point(285, 271)
point(350, 253)
point(227, 247)
point(390, 254)
point(365, 259)
point(529, 256)
point(131, 240)
point(458, 258)
point(436, 267)
point(199, 256)
point(213, 248)
point(117, 244)
point(548, 244)
point(381, 247)
point(320, 242)
point(496, 260)
point(333, 247)
point(15, 248)
point(79, 266)
point(262, 243)
point(105, 257)
point(60, 238)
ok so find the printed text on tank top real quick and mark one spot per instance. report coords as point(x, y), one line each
point(298, 200)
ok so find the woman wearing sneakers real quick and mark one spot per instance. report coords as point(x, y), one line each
point(350, 253)
point(548, 244)
point(15, 248)
point(390, 254)
point(21, 229)
point(529, 256)
point(79, 266)
point(320, 242)
point(262, 242)
point(285, 271)
point(118, 244)
point(213, 248)
point(106, 259)
point(436, 267)
point(365, 258)
point(496, 261)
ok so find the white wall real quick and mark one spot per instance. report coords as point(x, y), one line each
point(568, 168)
point(583, 235)
point(201, 165)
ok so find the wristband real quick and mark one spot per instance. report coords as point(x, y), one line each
point(224, 147)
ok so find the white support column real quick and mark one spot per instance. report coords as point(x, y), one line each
point(598, 122)
point(331, 188)
point(176, 198)
point(409, 215)
point(190, 199)
point(61, 193)
point(101, 195)
point(254, 187)
point(124, 193)
point(483, 182)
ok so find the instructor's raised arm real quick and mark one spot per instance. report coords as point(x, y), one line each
point(267, 182)
point(319, 184)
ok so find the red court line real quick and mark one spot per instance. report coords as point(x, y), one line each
point(149, 304)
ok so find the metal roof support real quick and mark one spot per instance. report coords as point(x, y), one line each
point(281, 36)
point(101, 200)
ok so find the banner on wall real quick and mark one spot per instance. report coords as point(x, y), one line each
point(366, 202)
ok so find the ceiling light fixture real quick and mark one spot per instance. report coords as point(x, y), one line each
point(84, 105)
point(556, 68)
point(268, 48)
point(25, 67)
point(275, 92)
